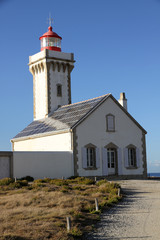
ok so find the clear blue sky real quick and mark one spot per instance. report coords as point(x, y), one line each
point(117, 49)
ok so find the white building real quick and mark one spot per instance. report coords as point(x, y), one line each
point(99, 134)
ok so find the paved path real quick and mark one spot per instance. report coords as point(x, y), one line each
point(137, 217)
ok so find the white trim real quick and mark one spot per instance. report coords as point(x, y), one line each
point(84, 157)
point(137, 158)
point(97, 158)
point(126, 164)
point(104, 162)
point(119, 156)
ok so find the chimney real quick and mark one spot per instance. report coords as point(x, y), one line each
point(123, 100)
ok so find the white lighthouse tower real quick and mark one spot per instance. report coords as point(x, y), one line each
point(51, 70)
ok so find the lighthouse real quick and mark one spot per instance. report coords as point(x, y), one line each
point(50, 40)
point(51, 69)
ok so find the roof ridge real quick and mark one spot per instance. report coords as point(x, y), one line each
point(85, 100)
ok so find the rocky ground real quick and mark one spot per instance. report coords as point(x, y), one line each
point(136, 217)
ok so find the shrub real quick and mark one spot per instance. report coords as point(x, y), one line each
point(77, 214)
point(28, 178)
point(84, 180)
point(64, 189)
point(6, 181)
point(47, 180)
point(37, 185)
point(72, 178)
point(75, 232)
point(101, 182)
point(96, 212)
point(59, 182)
point(81, 180)
point(23, 183)
point(39, 181)
point(107, 188)
point(15, 185)
point(89, 208)
point(18, 184)
point(77, 188)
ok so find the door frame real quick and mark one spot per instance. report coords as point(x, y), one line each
point(113, 146)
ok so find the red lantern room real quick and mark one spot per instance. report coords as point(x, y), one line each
point(50, 40)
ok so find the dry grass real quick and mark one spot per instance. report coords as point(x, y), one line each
point(39, 211)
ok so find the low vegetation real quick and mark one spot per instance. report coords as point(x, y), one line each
point(38, 210)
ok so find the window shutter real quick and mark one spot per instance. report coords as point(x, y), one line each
point(105, 162)
point(119, 154)
point(97, 158)
point(126, 157)
point(84, 157)
point(110, 123)
point(137, 157)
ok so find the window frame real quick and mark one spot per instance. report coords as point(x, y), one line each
point(108, 129)
point(90, 157)
point(59, 87)
point(109, 157)
point(132, 159)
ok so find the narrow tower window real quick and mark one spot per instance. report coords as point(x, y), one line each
point(59, 90)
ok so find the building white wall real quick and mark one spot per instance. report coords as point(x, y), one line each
point(58, 142)
point(93, 130)
point(52, 54)
point(43, 164)
point(40, 94)
point(46, 76)
point(4, 167)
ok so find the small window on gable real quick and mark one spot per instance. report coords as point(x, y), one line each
point(59, 90)
point(110, 123)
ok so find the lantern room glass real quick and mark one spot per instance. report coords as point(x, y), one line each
point(50, 42)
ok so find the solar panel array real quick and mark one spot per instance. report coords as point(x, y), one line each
point(63, 118)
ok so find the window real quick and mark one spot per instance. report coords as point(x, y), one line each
point(50, 41)
point(131, 157)
point(111, 157)
point(91, 157)
point(59, 90)
point(110, 123)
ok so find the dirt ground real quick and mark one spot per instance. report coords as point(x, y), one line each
point(136, 217)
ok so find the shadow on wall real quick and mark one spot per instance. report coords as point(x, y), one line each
point(6, 164)
point(43, 164)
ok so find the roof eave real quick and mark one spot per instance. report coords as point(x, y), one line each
point(128, 114)
point(90, 111)
point(99, 103)
point(41, 135)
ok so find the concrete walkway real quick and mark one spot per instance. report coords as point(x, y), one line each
point(136, 217)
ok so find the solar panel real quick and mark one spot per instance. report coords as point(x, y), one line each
point(62, 118)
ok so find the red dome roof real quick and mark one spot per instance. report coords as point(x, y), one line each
point(50, 33)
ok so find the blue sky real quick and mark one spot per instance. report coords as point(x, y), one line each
point(116, 44)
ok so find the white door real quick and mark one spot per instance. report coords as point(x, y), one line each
point(4, 167)
point(111, 156)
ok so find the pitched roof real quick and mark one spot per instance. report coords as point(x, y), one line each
point(63, 118)
point(68, 117)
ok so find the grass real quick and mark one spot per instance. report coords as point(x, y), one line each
point(38, 210)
